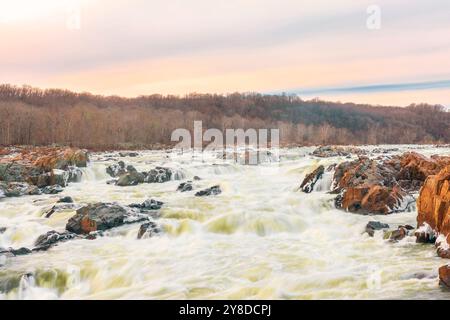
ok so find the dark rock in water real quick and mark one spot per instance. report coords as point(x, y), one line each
point(128, 154)
point(112, 181)
point(148, 204)
point(310, 180)
point(444, 276)
point(130, 168)
point(399, 234)
point(2, 230)
point(56, 176)
point(148, 229)
point(20, 252)
point(16, 172)
point(373, 226)
point(51, 238)
point(101, 217)
point(66, 199)
point(215, 190)
point(158, 175)
point(116, 170)
point(75, 174)
point(132, 178)
point(197, 178)
point(185, 186)
point(52, 189)
point(337, 151)
point(98, 216)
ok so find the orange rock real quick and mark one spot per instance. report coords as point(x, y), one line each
point(375, 199)
point(444, 276)
point(433, 204)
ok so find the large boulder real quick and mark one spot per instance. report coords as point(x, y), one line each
point(132, 178)
point(117, 169)
point(18, 189)
point(102, 216)
point(444, 276)
point(433, 206)
point(158, 175)
point(310, 180)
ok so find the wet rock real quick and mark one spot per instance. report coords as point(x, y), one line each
point(75, 174)
point(128, 154)
point(20, 252)
point(55, 189)
point(148, 230)
point(158, 175)
point(373, 226)
point(66, 199)
point(132, 178)
point(51, 238)
point(102, 216)
point(54, 177)
point(18, 189)
point(336, 151)
point(2, 230)
point(116, 170)
point(444, 276)
point(433, 206)
point(185, 186)
point(215, 190)
point(148, 204)
point(197, 178)
point(310, 180)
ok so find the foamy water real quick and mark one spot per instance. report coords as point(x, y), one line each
point(260, 239)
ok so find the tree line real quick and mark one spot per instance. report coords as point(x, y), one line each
point(31, 116)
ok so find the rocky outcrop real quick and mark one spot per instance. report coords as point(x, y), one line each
point(382, 185)
point(310, 180)
point(215, 190)
point(337, 151)
point(433, 207)
point(131, 178)
point(25, 170)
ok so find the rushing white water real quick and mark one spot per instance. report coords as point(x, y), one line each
point(260, 239)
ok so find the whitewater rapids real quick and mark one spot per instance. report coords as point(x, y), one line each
point(260, 239)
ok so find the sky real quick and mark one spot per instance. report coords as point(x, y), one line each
point(388, 52)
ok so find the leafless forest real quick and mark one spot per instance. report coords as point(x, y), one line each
point(30, 116)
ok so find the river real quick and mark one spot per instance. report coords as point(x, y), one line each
point(260, 238)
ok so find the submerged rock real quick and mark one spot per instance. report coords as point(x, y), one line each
point(2, 230)
point(310, 180)
point(215, 190)
point(65, 199)
point(148, 230)
point(373, 226)
point(20, 252)
point(185, 186)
